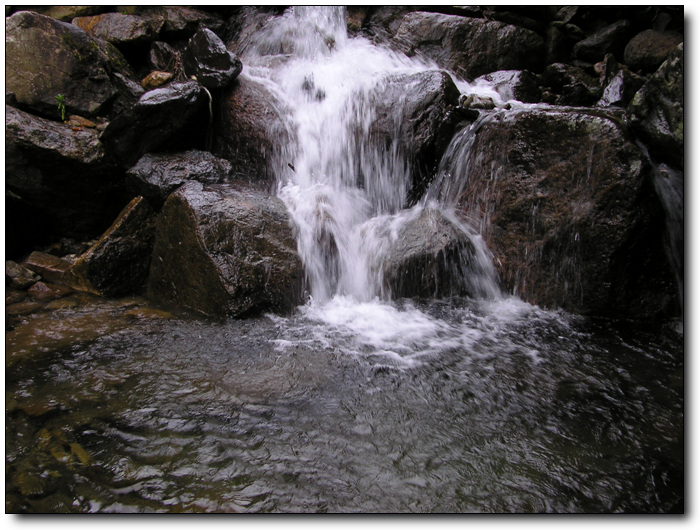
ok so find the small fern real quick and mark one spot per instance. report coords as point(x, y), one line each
point(60, 98)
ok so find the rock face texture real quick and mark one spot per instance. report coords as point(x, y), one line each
point(224, 252)
point(50, 57)
point(566, 203)
point(207, 58)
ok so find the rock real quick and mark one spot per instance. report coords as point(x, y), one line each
point(156, 79)
point(472, 101)
point(415, 114)
point(431, 257)
point(50, 268)
point(619, 83)
point(68, 13)
point(60, 180)
point(117, 264)
point(569, 210)
point(207, 58)
point(18, 276)
point(611, 39)
point(181, 22)
point(468, 46)
point(165, 58)
point(519, 85)
point(78, 121)
point(649, 49)
point(251, 131)
point(572, 84)
point(656, 111)
point(120, 29)
point(48, 291)
point(225, 252)
point(156, 176)
point(52, 58)
point(175, 115)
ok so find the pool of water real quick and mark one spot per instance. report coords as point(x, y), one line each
point(449, 406)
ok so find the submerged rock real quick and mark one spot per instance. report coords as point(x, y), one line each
point(118, 262)
point(225, 252)
point(569, 210)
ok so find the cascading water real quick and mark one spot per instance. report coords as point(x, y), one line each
point(341, 186)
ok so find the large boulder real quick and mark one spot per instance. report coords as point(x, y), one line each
point(174, 116)
point(117, 264)
point(250, 131)
point(567, 205)
point(470, 47)
point(432, 256)
point(417, 115)
point(180, 22)
point(647, 50)
point(656, 111)
point(59, 181)
point(52, 58)
point(157, 175)
point(611, 39)
point(207, 58)
point(225, 252)
point(120, 29)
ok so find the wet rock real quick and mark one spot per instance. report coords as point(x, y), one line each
point(156, 79)
point(473, 101)
point(18, 276)
point(51, 268)
point(251, 132)
point(68, 13)
point(570, 213)
point(117, 264)
point(207, 58)
point(572, 85)
point(519, 85)
point(649, 49)
point(420, 110)
point(165, 58)
point(611, 39)
point(656, 112)
point(120, 29)
point(181, 22)
point(619, 83)
point(62, 183)
point(468, 46)
point(156, 176)
point(430, 258)
point(51, 58)
point(175, 115)
point(43, 291)
point(225, 252)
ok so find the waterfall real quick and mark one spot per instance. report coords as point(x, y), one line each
point(346, 193)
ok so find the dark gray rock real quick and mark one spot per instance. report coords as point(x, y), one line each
point(117, 264)
point(569, 210)
point(571, 84)
point(19, 276)
point(120, 29)
point(470, 47)
point(649, 49)
point(156, 176)
point(52, 58)
point(175, 115)
point(619, 83)
point(224, 252)
point(611, 39)
point(180, 22)
point(165, 58)
point(656, 112)
point(207, 58)
point(519, 85)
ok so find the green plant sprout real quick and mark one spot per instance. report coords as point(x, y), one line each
point(61, 106)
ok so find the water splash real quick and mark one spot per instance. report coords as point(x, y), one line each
point(346, 192)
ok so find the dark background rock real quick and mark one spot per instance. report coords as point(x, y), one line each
point(120, 29)
point(118, 263)
point(650, 48)
point(224, 252)
point(51, 58)
point(156, 176)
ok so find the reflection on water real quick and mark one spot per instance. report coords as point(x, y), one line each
point(450, 406)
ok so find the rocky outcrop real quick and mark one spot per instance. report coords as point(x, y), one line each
point(224, 252)
point(121, 29)
point(207, 58)
point(656, 112)
point(156, 176)
point(117, 264)
point(175, 115)
point(567, 205)
point(647, 50)
point(52, 59)
point(470, 47)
